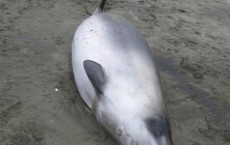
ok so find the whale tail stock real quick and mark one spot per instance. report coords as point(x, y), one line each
point(102, 4)
point(100, 9)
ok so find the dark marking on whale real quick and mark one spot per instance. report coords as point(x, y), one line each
point(158, 126)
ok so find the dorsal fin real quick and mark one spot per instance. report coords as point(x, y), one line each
point(95, 74)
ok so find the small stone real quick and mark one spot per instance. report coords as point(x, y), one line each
point(182, 11)
point(197, 75)
point(197, 32)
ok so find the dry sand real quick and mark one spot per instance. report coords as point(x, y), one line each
point(39, 104)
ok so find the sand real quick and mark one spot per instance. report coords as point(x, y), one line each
point(39, 103)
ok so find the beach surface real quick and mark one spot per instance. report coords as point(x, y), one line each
point(39, 103)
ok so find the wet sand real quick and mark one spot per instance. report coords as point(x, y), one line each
point(39, 103)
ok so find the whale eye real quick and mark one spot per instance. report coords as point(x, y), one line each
point(158, 127)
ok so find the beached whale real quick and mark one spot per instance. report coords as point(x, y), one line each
point(116, 76)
